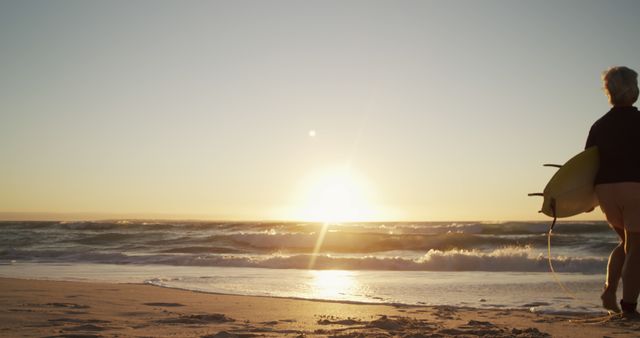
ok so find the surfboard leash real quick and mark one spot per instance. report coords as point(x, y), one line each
point(552, 205)
point(553, 271)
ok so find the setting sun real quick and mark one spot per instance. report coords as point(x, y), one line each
point(338, 195)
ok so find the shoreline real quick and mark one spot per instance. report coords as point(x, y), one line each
point(35, 307)
point(350, 302)
point(536, 292)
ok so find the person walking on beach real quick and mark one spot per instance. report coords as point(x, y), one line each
point(617, 185)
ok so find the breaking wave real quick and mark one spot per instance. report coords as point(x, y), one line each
point(505, 259)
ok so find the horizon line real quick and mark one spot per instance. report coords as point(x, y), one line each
point(105, 216)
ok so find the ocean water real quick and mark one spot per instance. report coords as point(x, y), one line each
point(477, 264)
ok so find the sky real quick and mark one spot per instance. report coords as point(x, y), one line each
point(299, 110)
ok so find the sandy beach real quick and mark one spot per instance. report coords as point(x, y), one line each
point(38, 308)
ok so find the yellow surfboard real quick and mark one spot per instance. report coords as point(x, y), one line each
point(571, 190)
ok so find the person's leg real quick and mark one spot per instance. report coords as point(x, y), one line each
point(606, 196)
point(629, 198)
point(631, 269)
point(614, 272)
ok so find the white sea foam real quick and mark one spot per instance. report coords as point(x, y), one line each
point(506, 259)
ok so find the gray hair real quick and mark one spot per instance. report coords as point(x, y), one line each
point(621, 85)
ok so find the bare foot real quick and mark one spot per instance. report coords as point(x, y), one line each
point(609, 301)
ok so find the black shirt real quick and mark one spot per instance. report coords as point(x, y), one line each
point(617, 136)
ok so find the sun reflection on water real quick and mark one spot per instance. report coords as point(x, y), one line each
point(333, 284)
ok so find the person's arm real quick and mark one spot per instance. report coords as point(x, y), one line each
point(591, 139)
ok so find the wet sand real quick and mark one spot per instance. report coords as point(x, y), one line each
point(37, 308)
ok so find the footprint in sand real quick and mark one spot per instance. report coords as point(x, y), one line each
point(225, 334)
point(78, 321)
point(85, 327)
point(68, 305)
point(198, 319)
point(75, 335)
point(164, 304)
